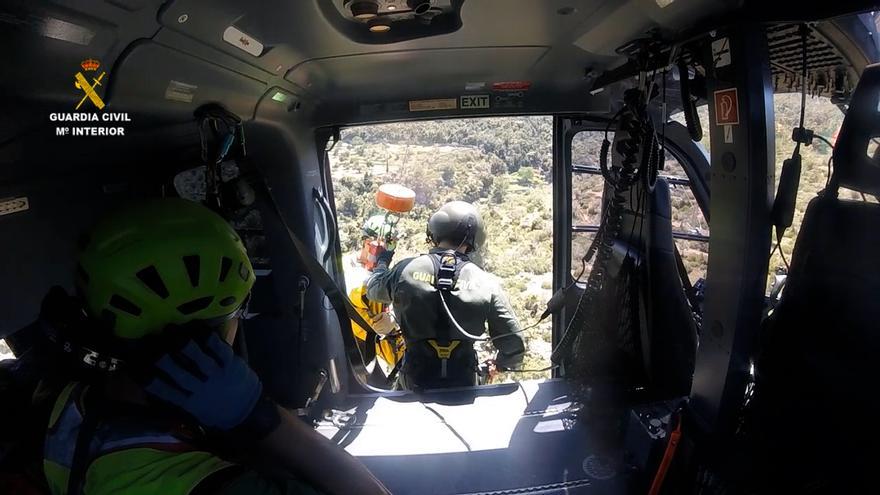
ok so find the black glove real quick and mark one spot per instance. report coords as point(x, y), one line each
point(385, 257)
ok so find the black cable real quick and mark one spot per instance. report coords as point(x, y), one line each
point(665, 118)
point(804, 34)
point(778, 247)
point(825, 140)
point(782, 255)
point(507, 334)
point(478, 338)
point(449, 426)
point(828, 175)
point(548, 368)
point(606, 146)
point(580, 274)
point(804, 30)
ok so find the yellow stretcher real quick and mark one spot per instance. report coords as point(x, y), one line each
point(389, 349)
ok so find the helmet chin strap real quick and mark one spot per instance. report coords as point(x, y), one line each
point(467, 232)
point(64, 335)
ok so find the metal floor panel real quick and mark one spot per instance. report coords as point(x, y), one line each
point(502, 440)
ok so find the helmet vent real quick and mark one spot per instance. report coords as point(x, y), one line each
point(192, 264)
point(226, 301)
point(151, 278)
point(195, 305)
point(225, 265)
point(123, 304)
point(243, 271)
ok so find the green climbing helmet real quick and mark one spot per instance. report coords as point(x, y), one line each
point(160, 262)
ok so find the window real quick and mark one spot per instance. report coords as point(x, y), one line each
point(503, 165)
point(825, 119)
point(587, 185)
point(689, 226)
point(5, 352)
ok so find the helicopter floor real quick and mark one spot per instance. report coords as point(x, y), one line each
point(519, 438)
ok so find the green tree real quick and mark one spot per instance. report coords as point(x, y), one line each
point(525, 176)
point(498, 192)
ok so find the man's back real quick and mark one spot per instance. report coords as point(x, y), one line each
point(418, 306)
point(476, 302)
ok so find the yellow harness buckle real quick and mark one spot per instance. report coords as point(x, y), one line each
point(443, 352)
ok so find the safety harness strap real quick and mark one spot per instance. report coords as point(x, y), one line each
point(444, 353)
point(447, 268)
point(689, 291)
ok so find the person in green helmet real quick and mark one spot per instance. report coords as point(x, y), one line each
point(167, 406)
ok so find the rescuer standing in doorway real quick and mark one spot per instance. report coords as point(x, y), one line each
point(444, 302)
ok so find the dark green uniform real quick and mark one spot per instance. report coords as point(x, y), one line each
point(476, 301)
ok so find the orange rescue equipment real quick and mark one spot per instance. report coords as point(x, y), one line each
point(395, 198)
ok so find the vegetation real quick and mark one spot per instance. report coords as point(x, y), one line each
point(825, 120)
point(502, 165)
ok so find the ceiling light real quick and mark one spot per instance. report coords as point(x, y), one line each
point(380, 25)
point(364, 9)
point(391, 7)
point(419, 6)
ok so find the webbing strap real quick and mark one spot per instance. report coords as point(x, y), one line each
point(345, 310)
point(444, 351)
point(443, 354)
point(82, 456)
point(685, 279)
point(446, 271)
point(447, 267)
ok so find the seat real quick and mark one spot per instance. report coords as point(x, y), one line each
point(655, 335)
point(669, 335)
point(817, 373)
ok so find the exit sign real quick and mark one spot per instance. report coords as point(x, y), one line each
point(474, 101)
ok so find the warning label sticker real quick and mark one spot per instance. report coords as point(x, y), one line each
point(180, 91)
point(438, 104)
point(474, 101)
point(13, 205)
point(721, 53)
point(513, 99)
point(512, 86)
point(726, 107)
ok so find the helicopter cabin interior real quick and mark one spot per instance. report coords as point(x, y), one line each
point(651, 378)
